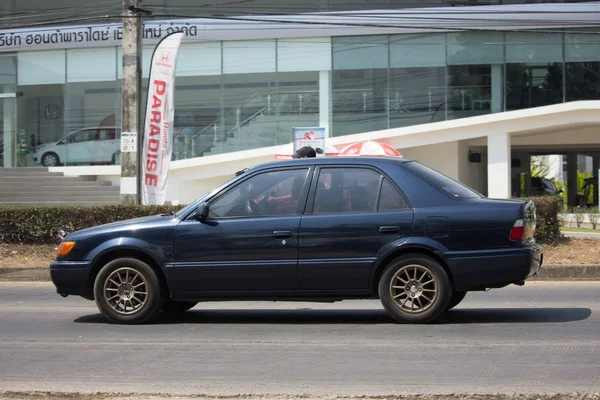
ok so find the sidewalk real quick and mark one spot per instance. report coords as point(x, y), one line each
point(580, 272)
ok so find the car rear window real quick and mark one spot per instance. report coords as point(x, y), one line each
point(448, 185)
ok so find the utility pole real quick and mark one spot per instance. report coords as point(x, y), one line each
point(131, 89)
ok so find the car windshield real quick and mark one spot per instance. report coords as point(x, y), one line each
point(448, 185)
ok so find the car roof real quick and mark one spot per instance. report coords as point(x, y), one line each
point(338, 160)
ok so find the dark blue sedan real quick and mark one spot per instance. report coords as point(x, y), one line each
point(318, 229)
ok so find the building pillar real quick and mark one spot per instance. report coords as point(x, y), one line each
point(497, 100)
point(9, 111)
point(595, 174)
point(499, 180)
point(525, 174)
point(325, 101)
point(571, 179)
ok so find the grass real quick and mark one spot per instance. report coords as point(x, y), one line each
point(585, 230)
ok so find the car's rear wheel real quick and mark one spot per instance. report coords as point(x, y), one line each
point(127, 291)
point(456, 298)
point(415, 289)
point(50, 160)
point(178, 306)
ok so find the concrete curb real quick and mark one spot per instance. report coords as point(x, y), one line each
point(574, 272)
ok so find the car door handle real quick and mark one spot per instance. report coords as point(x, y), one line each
point(282, 234)
point(389, 229)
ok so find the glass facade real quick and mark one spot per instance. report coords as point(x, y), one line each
point(246, 94)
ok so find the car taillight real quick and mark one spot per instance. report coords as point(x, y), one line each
point(522, 230)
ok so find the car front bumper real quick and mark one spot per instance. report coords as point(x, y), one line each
point(496, 268)
point(72, 278)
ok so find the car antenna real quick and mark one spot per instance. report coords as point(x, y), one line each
point(241, 171)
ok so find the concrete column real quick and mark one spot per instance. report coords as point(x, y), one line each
point(526, 172)
point(595, 168)
point(571, 179)
point(9, 111)
point(497, 88)
point(325, 100)
point(499, 180)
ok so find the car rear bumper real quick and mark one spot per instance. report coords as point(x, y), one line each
point(71, 278)
point(494, 268)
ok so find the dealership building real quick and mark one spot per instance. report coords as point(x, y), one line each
point(471, 88)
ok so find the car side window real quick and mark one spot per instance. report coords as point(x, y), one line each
point(275, 193)
point(346, 190)
point(390, 199)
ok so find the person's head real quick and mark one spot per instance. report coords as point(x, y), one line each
point(305, 152)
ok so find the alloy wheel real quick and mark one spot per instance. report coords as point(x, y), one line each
point(414, 289)
point(126, 291)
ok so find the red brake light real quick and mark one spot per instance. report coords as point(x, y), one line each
point(522, 230)
point(518, 230)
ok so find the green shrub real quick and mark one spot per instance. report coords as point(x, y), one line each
point(39, 224)
point(548, 222)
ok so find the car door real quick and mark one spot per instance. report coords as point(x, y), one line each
point(353, 213)
point(105, 145)
point(249, 242)
point(79, 147)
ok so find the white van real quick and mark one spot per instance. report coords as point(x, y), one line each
point(87, 146)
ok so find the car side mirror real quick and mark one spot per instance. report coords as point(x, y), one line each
point(202, 211)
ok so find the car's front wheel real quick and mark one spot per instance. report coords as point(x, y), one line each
point(414, 289)
point(127, 291)
point(50, 160)
point(178, 306)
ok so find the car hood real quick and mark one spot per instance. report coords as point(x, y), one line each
point(125, 225)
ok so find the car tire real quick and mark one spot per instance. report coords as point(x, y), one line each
point(415, 289)
point(127, 291)
point(178, 306)
point(456, 298)
point(50, 159)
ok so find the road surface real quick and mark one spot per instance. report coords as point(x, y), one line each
point(541, 338)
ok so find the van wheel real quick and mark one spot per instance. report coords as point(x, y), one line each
point(456, 298)
point(178, 306)
point(50, 160)
point(415, 289)
point(127, 291)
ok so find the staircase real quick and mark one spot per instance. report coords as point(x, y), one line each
point(38, 187)
point(263, 131)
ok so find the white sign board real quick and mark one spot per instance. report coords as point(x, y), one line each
point(311, 136)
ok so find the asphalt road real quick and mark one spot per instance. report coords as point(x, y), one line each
point(541, 338)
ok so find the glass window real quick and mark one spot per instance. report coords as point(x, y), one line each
point(583, 80)
point(474, 90)
point(440, 180)
point(467, 48)
point(92, 65)
point(533, 85)
point(199, 59)
point(263, 195)
point(582, 46)
point(41, 67)
point(417, 96)
point(420, 50)
point(533, 47)
point(246, 57)
point(360, 52)
point(345, 190)
point(390, 199)
point(305, 54)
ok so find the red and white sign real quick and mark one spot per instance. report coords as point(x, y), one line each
point(158, 126)
point(369, 148)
